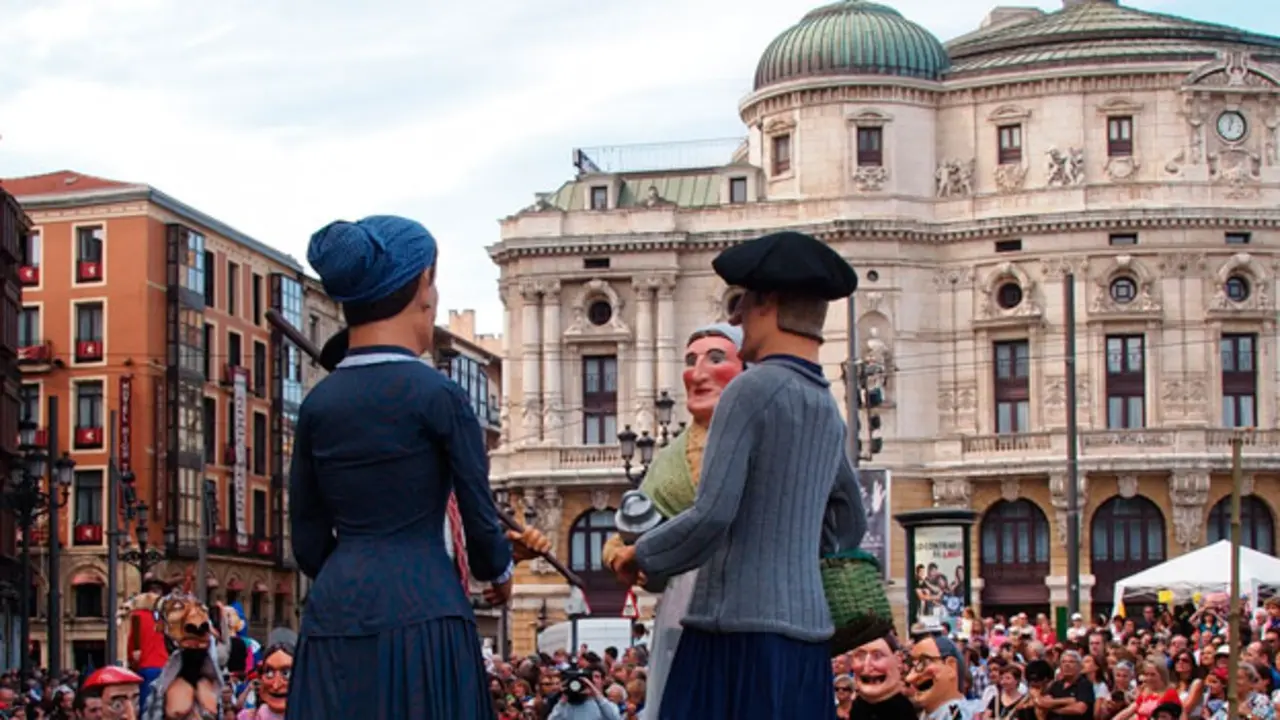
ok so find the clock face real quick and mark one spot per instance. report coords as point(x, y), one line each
point(1232, 126)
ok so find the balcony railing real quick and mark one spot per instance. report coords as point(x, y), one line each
point(1221, 438)
point(1131, 437)
point(1007, 443)
point(685, 155)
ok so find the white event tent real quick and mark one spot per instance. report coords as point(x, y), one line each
point(1203, 571)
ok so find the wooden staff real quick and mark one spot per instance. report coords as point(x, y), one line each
point(334, 350)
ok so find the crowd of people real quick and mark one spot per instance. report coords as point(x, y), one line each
point(610, 685)
point(1158, 664)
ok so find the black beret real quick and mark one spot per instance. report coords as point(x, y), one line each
point(788, 262)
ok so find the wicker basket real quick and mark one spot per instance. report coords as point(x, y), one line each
point(856, 595)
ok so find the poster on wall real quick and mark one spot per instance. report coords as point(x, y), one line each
point(240, 471)
point(876, 503)
point(939, 576)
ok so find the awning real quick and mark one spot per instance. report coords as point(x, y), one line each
point(86, 577)
point(235, 585)
point(283, 588)
point(260, 587)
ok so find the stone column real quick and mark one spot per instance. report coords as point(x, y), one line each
point(1058, 498)
point(530, 373)
point(645, 355)
point(1189, 494)
point(504, 402)
point(667, 364)
point(552, 372)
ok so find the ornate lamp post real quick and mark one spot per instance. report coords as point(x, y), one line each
point(629, 442)
point(142, 556)
point(27, 501)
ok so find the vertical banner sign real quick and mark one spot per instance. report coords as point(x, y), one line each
point(240, 390)
point(876, 503)
point(159, 464)
point(125, 450)
point(939, 575)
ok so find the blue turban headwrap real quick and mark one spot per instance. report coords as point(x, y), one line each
point(364, 261)
point(732, 333)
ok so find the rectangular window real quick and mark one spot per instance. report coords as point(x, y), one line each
point(232, 527)
point(233, 289)
point(737, 192)
point(89, 322)
point(870, 147)
point(88, 499)
point(210, 280)
point(1239, 380)
point(1006, 246)
point(89, 404)
point(260, 514)
point(208, 351)
point(89, 600)
point(599, 197)
point(1239, 238)
point(1126, 382)
point(259, 444)
point(31, 250)
point(29, 327)
point(235, 356)
point(89, 254)
point(29, 404)
point(1119, 137)
point(211, 431)
point(599, 399)
point(781, 154)
point(1010, 138)
point(1123, 239)
point(259, 369)
point(257, 298)
point(1013, 387)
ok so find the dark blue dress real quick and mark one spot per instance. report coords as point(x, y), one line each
point(387, 631)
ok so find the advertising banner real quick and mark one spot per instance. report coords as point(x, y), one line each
point(876, 503)
point(125, 450)
point(240, 471)
point(940, 575)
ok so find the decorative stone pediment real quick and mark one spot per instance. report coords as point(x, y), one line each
point(1236, 71)
point(1058, 498)
point(779, 126)
point(952, 492)
point(1189, 495)
point(1009, 115)
point(870, 118)
point(1120, 107)
point(1126, 288)
point(582, 329)
point(1241, 267)
point(994, 306)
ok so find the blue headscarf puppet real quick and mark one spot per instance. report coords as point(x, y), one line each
point(365, 261)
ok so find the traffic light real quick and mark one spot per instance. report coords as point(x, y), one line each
point(872, 398)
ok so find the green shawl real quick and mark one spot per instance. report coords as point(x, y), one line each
point(669, 481)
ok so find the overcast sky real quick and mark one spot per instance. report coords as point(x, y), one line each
point(277, 117)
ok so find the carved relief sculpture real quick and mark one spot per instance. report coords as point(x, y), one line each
point(1127, 485)
point(878, 358)
point(1122, 167)
point(547, 506)
point(1010, 489)
point(954, 178)
point(1010, 177)
point(1009, 273)
point(653, 198)
point(1143, 283)
point(1189, 494)
point(870, 178)
point(1065, 169)
point(1237, 168)
point(1244, 265)
point(1058, 498)
point(952, 492)
point(591, 291)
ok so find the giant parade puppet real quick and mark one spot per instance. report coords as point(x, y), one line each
point(937, 675)
point(189, 686)
point(147, 649)
point(112, 693)
point(877, 678)
point(272, 674)
point(711, 360)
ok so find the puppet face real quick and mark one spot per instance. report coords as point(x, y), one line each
point(877, 672)
point(232, 623)
point(120, 702)
point(276, 670)
point(186, 621)
point(934, 677)
point(710, 362)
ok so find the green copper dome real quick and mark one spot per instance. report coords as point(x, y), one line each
point(852, 37)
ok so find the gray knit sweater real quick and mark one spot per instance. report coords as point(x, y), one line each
point(776, 491)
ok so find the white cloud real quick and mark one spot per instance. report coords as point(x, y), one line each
point(278, 117)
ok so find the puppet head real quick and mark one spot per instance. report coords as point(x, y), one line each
point(186, 621)
point(710, 361)
point(937, 672)
point(274, 674)
point(119, 690)
point(877, 671)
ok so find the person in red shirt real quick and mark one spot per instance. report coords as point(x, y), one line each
point(1154, 692)
point(148, 651)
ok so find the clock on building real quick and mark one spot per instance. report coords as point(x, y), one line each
point(1232, 126)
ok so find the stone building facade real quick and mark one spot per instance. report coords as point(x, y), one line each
point(1133, 154)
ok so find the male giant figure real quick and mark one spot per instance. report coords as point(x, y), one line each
point(774, 470)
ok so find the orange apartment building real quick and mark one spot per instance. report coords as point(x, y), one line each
point(139, 307)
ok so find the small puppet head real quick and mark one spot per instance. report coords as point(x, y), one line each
point(710, 361)
point(936, 672)
point(274, 674)
point(186, 621)
point(877, 671)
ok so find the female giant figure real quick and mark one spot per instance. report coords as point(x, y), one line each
point(388, 631)
point(711, 361)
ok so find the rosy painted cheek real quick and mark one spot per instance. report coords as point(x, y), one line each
point(688, 378)
point(724, 372)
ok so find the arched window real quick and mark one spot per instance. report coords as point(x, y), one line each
point(1128, 536)
point(587, 538)
point(1257, 526)
point(1014, 554)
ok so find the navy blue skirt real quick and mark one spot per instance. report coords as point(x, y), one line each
point(748, 676)
point(431, 671)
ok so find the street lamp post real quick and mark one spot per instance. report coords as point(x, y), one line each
point(28, 502)
point(629, 442)
point(142, 556)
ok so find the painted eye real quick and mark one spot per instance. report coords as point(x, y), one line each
point(716, 356)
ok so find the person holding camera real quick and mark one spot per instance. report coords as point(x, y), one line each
point(581, 699)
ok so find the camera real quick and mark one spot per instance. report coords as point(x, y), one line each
point(574, 683)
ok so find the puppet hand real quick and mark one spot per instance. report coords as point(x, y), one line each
point(625, 567)
point(497, 595)
point(528, 544)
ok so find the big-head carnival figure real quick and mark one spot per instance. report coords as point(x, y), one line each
point(710, 361)
point(776, 490)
